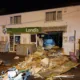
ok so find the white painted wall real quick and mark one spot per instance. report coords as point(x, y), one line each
point(71, 18)
point(25, 38)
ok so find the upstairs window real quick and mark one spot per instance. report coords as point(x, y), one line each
point(15, 20)
point(11, 20)
point(59, 15)
point(50, 16)
point(54, 15)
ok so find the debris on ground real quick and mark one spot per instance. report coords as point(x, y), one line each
point(43, 64)
point(16, 57)
point(1, 61)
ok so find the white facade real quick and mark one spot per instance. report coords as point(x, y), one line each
point(70, 18)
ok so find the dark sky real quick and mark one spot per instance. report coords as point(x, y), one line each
point(15, 6)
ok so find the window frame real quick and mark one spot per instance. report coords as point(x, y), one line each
point(55, 16)
point(15, 19)
point(33, 36)
point(50, 16)
point(59, 16)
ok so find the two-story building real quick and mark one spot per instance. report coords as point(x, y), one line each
point(61, 24)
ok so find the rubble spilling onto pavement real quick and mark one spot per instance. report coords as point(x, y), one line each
point(45, 64)
point(1, 61)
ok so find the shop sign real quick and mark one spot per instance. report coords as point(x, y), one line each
point(4, 29)
point(71, 38)
point(33, 30)
point(24, 30)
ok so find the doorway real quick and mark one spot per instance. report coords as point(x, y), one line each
point(14, 40)
point(56, 36)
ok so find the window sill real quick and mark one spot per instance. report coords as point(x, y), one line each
point(16, 24)
point(54, 21)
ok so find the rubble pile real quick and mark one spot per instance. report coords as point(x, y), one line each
point(42, 64)
point(1, 61)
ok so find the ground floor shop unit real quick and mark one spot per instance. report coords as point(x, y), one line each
point(34, 35)
point(37, 35)
point(37, 39)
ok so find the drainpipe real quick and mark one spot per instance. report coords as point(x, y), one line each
point(75, 42)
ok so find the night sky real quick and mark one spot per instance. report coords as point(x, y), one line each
point(16, 6)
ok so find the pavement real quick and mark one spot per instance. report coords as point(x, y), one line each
point(9, 61)
point(73, 74)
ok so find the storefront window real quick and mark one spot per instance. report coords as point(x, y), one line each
point(33, 38)
point(17, 39)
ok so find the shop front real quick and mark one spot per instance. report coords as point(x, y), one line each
point(36, 35)
point(22, 36)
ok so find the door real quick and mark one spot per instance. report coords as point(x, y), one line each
point(17, 41)
point(11, 43)
point(14, 40)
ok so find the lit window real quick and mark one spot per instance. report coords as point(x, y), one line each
point(15, 20)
